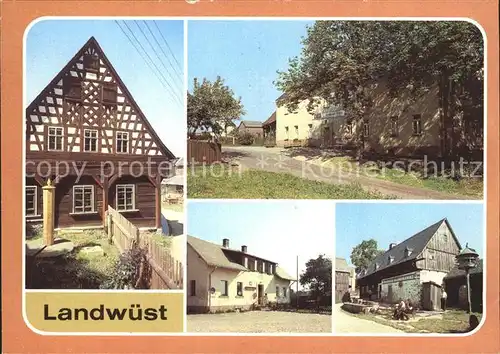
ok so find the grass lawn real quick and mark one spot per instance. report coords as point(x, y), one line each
point(472, 187)
point(74, 270)
point(254, 184)
point(452, 321)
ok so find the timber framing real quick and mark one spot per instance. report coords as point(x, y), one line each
point(85, 128)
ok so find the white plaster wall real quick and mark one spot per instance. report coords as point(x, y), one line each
point(249, 279)
point(197, 270)
point(433, 276)
point(300, 118)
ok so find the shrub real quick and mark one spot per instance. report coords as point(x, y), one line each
point(245, 138)
point(131, 271)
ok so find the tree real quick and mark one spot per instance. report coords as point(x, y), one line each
point(212, 107)
point(364, 253)
point(318, 277)
point(341, 60)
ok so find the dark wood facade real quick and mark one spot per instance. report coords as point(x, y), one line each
point(432, 249)
point(342, 282)
point(87, 134)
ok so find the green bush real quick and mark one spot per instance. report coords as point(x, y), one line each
point(245, 138)
point(131, 271)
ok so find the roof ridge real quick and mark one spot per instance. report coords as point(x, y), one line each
point(414, 235)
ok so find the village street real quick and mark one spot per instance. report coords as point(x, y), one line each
point(275, 160)
point(345, 323)
point(260, 322)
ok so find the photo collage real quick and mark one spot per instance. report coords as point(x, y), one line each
point(276, 176)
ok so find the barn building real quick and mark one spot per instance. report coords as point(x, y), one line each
point(413, 269)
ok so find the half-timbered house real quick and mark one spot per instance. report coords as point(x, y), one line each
point(86, 133)
point(410, 270)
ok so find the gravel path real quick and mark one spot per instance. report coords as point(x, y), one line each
point(274, 160)
point(346, 323)
point(260, 322)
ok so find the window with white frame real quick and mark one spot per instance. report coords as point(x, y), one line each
point(366, 129)
point(349, 127)
point(309, 130)
point(55, 139)
point(31, 201)
point(125, 197)
point(287, 133)
point(284, 292)
point(296, 132)
point(83, 199)
point(90, 140)
point(224, 288)
point(122, 142)
point(417, 124)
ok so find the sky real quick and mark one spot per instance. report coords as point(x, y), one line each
point(247, 55)
point(50, 44)
point(275, 230)
point(395, 222)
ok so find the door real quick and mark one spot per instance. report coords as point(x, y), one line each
point(327, 136)
point(389, 294)
point(260, 293)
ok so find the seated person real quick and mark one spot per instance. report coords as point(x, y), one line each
point(409, 306)
point(400, 311)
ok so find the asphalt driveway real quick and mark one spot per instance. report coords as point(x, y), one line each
point(260, 322)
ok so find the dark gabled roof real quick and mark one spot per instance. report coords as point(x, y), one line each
point(457, 273)
point(93, 42)
point(215, 255)
point(415, 243)
point(251, 123)
point(270, 120)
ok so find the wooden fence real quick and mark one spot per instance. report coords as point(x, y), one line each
point(203, 151)
point(166, 271)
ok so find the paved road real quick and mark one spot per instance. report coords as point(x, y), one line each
point(260, 322)
point(175, 228)
point(274, 160)
point(346, 323)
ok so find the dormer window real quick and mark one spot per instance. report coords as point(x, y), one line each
point(408, 252)
point(391, 259)
point(376, 266)
point(91, 62)
point(246, 262)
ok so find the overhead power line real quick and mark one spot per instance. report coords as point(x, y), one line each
point(168, 87)
point(165, 54)
point(158, 56)
point(166, 43)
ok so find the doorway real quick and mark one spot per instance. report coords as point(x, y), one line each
point(260, 293)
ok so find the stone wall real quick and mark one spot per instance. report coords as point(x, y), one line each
point(401, 287)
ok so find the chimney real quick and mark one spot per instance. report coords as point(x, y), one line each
point(225, 243)
point(244, 249)
point(392, 245)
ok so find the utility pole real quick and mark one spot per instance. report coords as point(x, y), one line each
point(297, 283)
